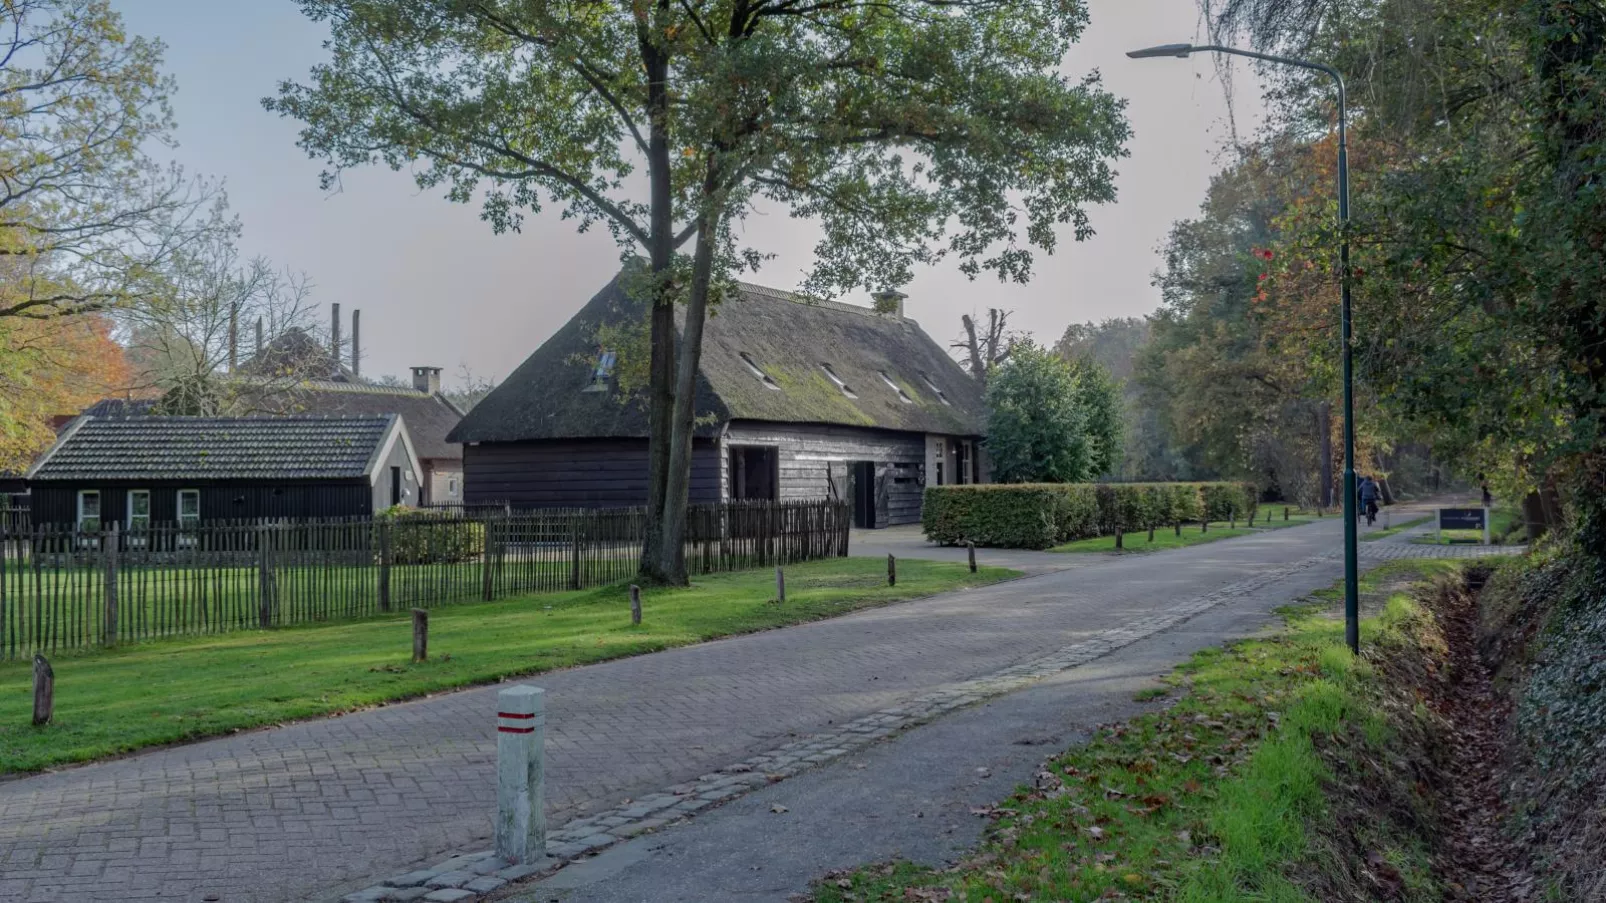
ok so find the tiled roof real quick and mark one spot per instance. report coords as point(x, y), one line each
point(215, 448)
point(429, 418)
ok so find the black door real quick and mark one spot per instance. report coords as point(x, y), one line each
point(864, 493)
point(395, 486)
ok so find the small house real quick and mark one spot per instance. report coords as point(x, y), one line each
point(796, 399)
point(144, 471)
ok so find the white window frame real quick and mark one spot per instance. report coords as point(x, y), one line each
point(451, 487)
point(178, 512)
point(128, 521)
point(99, 516)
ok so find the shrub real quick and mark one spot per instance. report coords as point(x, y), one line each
point(1041, 515)
point(420, 536)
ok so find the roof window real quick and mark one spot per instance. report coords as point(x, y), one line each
point(904, 396)
point(603, 371)
point(758, 371)
point(838, 380)
point(941, 396)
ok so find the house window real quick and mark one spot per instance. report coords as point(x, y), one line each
point(838, 380)
point(902, 395)
point(603, 371)
point(758, 371)
point(139, 509)
point(755, 472)
point(89, 510)
point(451, 487)
point(934, 390)
point(189, 508)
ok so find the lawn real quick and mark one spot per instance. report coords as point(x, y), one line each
point(1167, 538)
point(1397, 528)
point(175, 690)
point(1210, 799)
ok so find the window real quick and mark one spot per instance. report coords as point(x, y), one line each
point(603, 371)
point(902, 395)
point(189, 507)
point(89, 510)
point(139, 509)
point(758, 371)
point(838, 380)
point(754, 472)
point(934, 390)
point(451, 487)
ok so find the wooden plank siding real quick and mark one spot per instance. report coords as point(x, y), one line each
point(56, 503)
point(807, 452)
point(577, 473)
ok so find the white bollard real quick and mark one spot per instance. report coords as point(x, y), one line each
point(520, 780)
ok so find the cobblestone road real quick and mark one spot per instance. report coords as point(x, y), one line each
point(311, 810)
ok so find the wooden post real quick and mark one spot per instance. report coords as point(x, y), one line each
point(384, 565)
point(780, 584)
point(109, 541)
point(635, 602)
point(420, 634)
point(1232, 519)
point(1285, 512)
point(1151, 532)
point(1179, 528)
point(1120, 538)
point(265, 587)
point(487, 547)
point(970, 548)
point(574, 551)
point(44, 691)
point(892, 570)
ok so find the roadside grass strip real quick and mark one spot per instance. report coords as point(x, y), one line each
point(131, 697)
point(1217, 797)
point(1385, 533)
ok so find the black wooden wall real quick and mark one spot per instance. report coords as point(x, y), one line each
point(576, 473)
point(57, 502)
point(809, 452)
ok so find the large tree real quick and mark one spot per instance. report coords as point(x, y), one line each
point(909, 131)
point(85, 214)
point(1049, 421)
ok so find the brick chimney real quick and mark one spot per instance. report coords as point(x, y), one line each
point(889, 303)
point(427, 379)
point(356, 343)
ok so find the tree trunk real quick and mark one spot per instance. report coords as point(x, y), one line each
point(1324, 422)
point(672, 550)
point(661, 253)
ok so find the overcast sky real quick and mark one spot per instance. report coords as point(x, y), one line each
point(437, 287)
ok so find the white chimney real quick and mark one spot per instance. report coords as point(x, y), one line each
point(889, 303)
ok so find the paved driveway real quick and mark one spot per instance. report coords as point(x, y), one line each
point(312, 810)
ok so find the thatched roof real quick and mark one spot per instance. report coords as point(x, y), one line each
point(790, 339)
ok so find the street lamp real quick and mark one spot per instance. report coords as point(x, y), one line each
point(1352, 629)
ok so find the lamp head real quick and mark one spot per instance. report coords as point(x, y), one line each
point(1180, 50)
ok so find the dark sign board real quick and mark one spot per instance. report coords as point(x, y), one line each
point(1461, 518)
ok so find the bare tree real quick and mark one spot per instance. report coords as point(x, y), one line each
point(986, 348)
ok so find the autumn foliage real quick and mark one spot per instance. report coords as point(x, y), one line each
point(49, 368)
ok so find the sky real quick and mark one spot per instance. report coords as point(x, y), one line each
point(437, 287)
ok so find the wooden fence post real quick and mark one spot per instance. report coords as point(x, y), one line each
point(487, 547)
point(1151, 532)
point(420, 634)
point(892, 570)
point(109, 539)
point(780, 584)
point(1179, 528)
point(44, 691)
point(384, 565)
point(1120, 537)
point(970, 549)
point(265, 589)
point(1285, 512)
point(574, 551)
point(635, 604)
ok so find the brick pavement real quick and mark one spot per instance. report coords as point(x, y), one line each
point(308, 811)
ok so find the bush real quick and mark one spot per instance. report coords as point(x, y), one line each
point(1042, 515)
point(422, 536)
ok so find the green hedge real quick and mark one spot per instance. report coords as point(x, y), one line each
point(424, 536)
point(1041, 515)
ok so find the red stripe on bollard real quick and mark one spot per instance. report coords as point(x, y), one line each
point(515, 715)
point(516, 730)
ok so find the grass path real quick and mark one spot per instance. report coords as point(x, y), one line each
point(177, 690)
point(1167, 538)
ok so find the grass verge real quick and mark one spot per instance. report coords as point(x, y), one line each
point(169, 691)
point(1167, 538)
point(1375, 535)
point(1223, 796)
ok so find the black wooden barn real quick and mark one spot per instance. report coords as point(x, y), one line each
point(796, 399)
point(144, 471)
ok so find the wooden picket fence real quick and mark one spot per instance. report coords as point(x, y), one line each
point(67, 589)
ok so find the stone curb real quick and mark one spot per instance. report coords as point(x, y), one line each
point(469, 876)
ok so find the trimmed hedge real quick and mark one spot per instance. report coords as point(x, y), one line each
point(426, 536)
point(1042, 515)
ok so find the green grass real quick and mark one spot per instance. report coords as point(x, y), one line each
point(1164, 538)
point(1211, 800)
point(175, 690)
point(1397, 528)
point(1502, 521)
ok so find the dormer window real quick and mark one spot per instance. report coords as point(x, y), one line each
point(758, 371)
point(941, 396)
point(902, 395)
point(603, 371)
point(838, 380)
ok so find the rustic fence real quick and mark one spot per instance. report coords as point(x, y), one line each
point(66, 589)
point(14, 515)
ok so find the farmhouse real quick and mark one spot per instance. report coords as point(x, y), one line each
point(796, 399)
point(143, 471)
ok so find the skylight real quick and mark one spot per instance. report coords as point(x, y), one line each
point(941, 396)
point(895, 387)
point(838, 380)
point(603, 371)
point(758, 371)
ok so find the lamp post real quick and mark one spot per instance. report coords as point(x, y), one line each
point(1352, 632)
